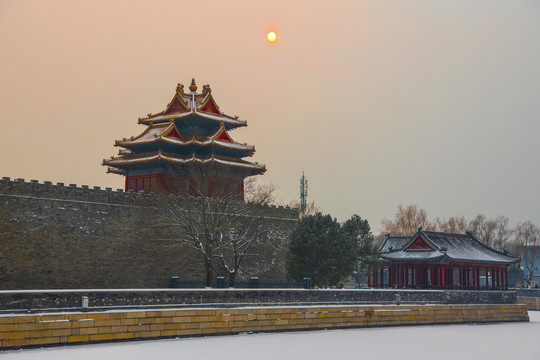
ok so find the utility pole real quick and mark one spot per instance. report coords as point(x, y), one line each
point(303, 193)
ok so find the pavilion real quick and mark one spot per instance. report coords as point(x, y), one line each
point(439, 260)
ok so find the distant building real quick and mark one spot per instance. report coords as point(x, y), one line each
point(186, 149)
point(530, 264)
point(438, 260)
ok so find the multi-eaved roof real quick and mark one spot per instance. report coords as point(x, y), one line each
point(191, 129)
point(436, 246)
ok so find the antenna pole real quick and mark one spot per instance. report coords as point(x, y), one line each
point(303, 193)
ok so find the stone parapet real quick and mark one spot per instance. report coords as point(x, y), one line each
point(105, 299)
point(95, 194)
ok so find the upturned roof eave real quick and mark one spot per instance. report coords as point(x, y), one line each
point(232, 122)
point(172, 141)
point(123, 163)
point(449, 258)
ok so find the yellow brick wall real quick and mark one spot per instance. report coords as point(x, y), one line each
point(532, 303)
point(42, 329)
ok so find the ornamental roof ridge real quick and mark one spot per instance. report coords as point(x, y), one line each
point(208, 98)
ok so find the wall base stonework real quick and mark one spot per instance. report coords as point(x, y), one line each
point(57, 329)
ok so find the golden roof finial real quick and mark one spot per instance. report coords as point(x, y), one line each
point(193, 86)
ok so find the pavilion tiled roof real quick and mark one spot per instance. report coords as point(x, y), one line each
point(192, 104)
point(439, 245)
point(192, 129)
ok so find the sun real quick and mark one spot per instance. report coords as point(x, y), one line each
point(271, 36)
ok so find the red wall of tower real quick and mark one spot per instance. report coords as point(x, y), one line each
point(158, 183)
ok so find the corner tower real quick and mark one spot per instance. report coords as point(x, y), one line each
point(186, 149)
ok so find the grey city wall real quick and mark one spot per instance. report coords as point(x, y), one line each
point(57, 236)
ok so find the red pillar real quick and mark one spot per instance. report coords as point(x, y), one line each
point(474, 284)
point(506, 277)
point(375, 280)
point(487, 278)
point(460, 277)
point(406, 275)
point(416, 275)
point(441, 278)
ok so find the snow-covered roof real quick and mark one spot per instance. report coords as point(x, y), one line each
point(186, 104)
point(126, 161)
point(160, 132)
point(432, 245)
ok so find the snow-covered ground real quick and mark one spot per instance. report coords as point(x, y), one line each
point(492, 341)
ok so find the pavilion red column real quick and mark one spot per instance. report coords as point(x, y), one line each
point(474, 284)
point(416, 277)
point(406, 275)
point(487, 277)
point(506, 277)
point(441, 278)
point(460, 276)
point(375, 282)
point(369, 279)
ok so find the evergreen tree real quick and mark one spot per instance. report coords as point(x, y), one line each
point(321, 250)
point(365, 246)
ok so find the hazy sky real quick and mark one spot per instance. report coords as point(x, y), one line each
point(434, 103)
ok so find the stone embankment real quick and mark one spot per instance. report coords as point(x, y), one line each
point(74, 328)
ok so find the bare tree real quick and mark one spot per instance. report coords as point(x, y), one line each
point(246, 230)
point(198, 223)
point(527, 244)
point(221, 230)
point(406, 221)
point(263, 194)
point(310, 209)
point(495, 233)
point(454, 224)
